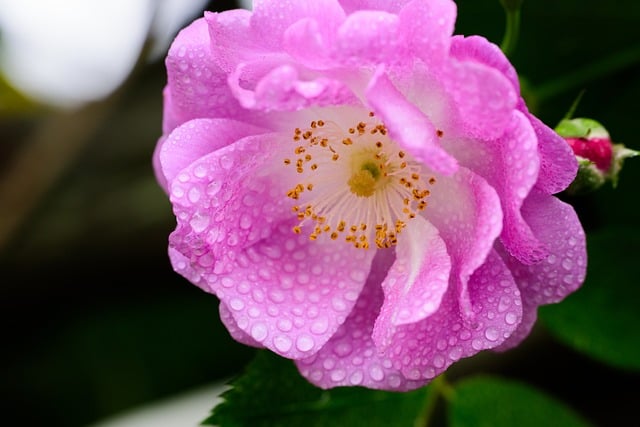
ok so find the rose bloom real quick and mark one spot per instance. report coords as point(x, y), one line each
point(364, 192)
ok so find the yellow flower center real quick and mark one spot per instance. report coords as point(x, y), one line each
point(355, 182)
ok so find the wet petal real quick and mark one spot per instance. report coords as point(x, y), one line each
point(407, 125)
point(415, 282)
point(350, 357)
point(468, 223)
point(558, 164)
point(562, 272)
point(290, 294)
point(196, 86)
point(484, 96)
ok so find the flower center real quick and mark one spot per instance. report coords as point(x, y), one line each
point(355, 182)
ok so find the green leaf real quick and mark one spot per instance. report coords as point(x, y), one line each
point(272, 393)
point(602, 318)
point(484, 401)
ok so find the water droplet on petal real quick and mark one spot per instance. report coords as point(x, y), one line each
point(259, 332)
point(376, 373)
point(304, 343)
point(282, 343)
point(491, 333)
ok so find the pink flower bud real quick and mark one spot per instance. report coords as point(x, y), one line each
point(598, 150)
point(600, 160)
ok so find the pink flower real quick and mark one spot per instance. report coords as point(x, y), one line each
point(364, 192)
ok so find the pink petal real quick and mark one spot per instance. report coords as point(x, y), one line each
point(290, 294)
point(562, 272)
point(232, 39)
point(427, 27)
point(309, 43)
point(370, 37)
point(514, 176)
point(485, 98)
point(350, 358)
point(228, 200)
point(271, 18)
point(407, 125)
point(195, 139)
point(157, 168)
point(196, 86)
point(466, 211)
point(392, 6)
point(236, 333)
point(420, 351)
point(416, 281)
point(558, 164)
point(479, 49)
point(510, 164)
point(425, 349)
point(283, 89)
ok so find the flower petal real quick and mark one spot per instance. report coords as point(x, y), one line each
point(236, 333)
point(271, 18)
point(562, 272)
point(427, 27)
point(469, 223)
point(350, 358)
point(425, 349)
point(291, 294)
point(407, 125)
point(420, 351)
point(479, 49)
point(484, 96)
point(510, 164)
point(196, 139)
point(196, 86)
point(392, 6)
point(282, 88)
point(558, 164)
point(514, 176)
point(370, 37)
point(228, 200)
point(416, 281)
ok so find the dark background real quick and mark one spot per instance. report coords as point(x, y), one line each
point(94, 320)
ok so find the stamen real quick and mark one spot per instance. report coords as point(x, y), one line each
point(364, 187)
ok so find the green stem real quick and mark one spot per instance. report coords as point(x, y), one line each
point(583, 75)
point(438, 387)
point(511, 32)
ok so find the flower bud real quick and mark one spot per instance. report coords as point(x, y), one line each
point(599, 159)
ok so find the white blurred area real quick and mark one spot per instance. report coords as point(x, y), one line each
point(185, 410)
point(68, 52)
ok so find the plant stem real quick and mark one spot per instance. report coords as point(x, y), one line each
point(511, 32)
point(438, 387)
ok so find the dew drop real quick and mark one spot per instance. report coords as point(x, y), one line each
point(320, 326)
point(511, 318)
point(236, 304)
point(304, 343)
point(477, 344)
point(259, 332)
point(376, 373)
point(282, 343)
point(338, 375)
point(491, 333)
point(246, 222)
point(284, 325)
point(356, 378)
point(438, 361)
point(213, 188)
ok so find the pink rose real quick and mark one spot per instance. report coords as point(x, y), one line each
point(364, 192)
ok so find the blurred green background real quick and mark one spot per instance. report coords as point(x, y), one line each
point(96, 322)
